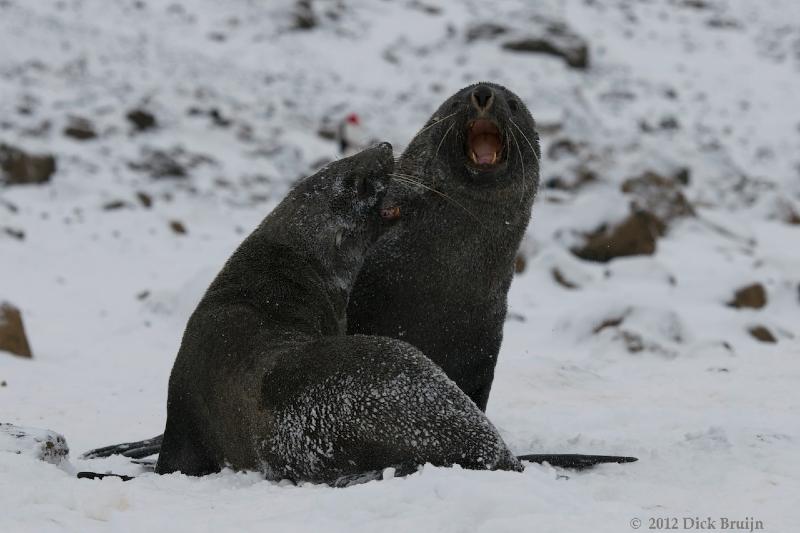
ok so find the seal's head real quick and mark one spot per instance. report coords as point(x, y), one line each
point(481, 140)
point(338, 212)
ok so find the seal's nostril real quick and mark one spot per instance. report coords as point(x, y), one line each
point(482, 97)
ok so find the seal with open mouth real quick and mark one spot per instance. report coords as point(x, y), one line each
point(465, 184)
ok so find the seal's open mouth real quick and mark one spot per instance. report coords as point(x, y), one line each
point(484, 143)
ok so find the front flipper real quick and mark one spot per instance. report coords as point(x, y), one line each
point(135, 450)
point(575, 461)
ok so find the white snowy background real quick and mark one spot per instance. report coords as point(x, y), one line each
point(640, 356)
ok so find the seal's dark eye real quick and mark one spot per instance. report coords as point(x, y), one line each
point(513, 105)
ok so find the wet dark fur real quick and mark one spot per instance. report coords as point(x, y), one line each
point(266, 378)
point(441, 282)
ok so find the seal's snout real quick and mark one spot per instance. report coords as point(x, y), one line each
point(482, 98)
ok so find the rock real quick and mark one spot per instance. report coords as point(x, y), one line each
point(555, 39)
point(114, 205)
point(14, 233)
point(304, 17)
point(519, 264)
point(762, 334)
point(786, 212)
point(80, 129)
point(145, 199)
point(178, 227)
point(660, 194)
point(574, 179)
point(12, 332)
point(42, 444)
point(752, 296)
point(174, 163)
point(142, 120)
point(485, 31)
point(159, 164)
point(559, 278)
point(20, 168)
point(636, 235)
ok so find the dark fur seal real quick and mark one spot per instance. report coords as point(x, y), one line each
point(266, 378)
point(441, 282)
point(466, 184)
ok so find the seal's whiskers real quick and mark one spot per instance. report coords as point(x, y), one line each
point(522, 163)
point(436, 154)
point(412, 180)
point(533, 151)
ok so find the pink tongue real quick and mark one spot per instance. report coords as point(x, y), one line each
point(484, 148)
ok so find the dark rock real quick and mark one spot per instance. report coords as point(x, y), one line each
point(722, 23)
point(564, 147)
point(174, 163)
point(218, 118)
point(786, 212)
point(762, 334)
point(142, 120)
point(485, 31)
point(14, 233)
point(159, 164)
point(80, 129)
point(577, 178)
point(660, 195)
point(562, 280)
point(303, 15)
point(556, 39)
point(12, 332)
point(752, 297)
point(609, 323)
point(145, 199)
point(113, 205)
point(425, 8)
point(695, 4)
point(10, 206)
point(665, 124)
point(19, 167)
point(519, 264)
point(178, 227)
point(636, 235)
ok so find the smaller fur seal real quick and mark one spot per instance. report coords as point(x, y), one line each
point(267, 380)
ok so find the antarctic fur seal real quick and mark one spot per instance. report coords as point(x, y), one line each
point(441, 281)
point(266, 378)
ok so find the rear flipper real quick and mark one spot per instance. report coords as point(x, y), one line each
point(575, 461)
point(95, 475)
point(135, 450)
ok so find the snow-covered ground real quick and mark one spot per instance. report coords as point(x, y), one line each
point(642, 356)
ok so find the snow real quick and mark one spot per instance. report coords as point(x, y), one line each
point(711, 412)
